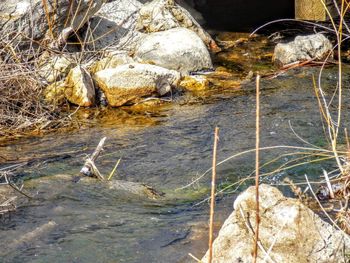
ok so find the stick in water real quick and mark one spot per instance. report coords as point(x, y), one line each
point(257, 145)
point(87, 169)
point(212, 197)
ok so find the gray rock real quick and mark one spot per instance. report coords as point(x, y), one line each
point(303, 48)
point(289, 232)
point(29, 18)
point(178, 49)
point(131, 82)
point(160, 15)
point(113, 25)
point(189, 6)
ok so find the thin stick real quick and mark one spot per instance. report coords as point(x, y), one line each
point(212, 198)
point(257, 145)
point(114, 169)
point(329, 185)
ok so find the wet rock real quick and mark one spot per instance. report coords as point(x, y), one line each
point(161, 15)
point(303, 48)
point(30, 237)
point(113, 26)
point(131, 82)
point(54, 67)
point(178, 49)
point(139, 189)
point(111, 60)
point(55, 185)
point(79, 87)
point(29, 17)
point(194, 83)
point(292, 231)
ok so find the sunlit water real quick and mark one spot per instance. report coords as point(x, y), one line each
point(167, 150)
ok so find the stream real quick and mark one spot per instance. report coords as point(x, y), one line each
point(166, 147)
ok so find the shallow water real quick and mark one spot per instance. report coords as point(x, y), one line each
point(166, 148)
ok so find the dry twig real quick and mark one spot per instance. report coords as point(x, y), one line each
point(212, 196)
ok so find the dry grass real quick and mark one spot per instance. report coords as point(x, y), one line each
point(22, 109)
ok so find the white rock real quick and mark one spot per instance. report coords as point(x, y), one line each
point(178, 49)
point(294, 233)
point(303, 48)
point(161, 15)
point(29, 17)
point(131, 82)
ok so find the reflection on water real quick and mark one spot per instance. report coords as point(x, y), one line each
point(165, 147)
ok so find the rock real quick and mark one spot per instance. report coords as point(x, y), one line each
point(295, 233)
point(131, 82)
point(55, 185)
point(52, 68)
point(113, 26)
point(111, 60)
point(189, 6)
point(303, 48)
point(139, 189)
point(161, 15)
point(55, 93)
point(178, 49)
point(30, 17)
point(79, 87)
point(194, 83)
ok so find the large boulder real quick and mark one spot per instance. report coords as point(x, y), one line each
point(36, 19)
point(120, 23)
point(289, 232)
point(113, 26)
point(160, 15)
point(131, 82)
point(178, 49)
point(303, 48)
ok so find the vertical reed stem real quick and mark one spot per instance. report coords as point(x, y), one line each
point(212, 196)
point(257, 146)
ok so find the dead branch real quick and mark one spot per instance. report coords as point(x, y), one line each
point(89, 168)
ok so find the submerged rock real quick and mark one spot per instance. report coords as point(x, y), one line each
point(52, 186)
point(303, 48)
point(178, 49)
point(79, 87)
point(289, 232)
point(131, 82)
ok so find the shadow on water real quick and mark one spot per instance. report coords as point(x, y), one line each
point(166, 148)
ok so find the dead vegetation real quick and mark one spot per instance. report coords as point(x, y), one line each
point(21, 107)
